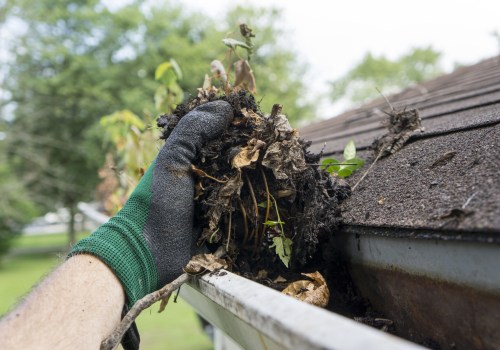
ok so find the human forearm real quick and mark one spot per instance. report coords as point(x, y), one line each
point(75, 307)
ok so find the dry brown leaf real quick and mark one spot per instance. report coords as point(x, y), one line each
point(248, 154)
point(251, 115)
point(313, 292)
point(285, 158)
point(244, 76)
point(203, 262)
point(279, 279)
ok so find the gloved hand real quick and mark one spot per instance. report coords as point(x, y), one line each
point(151, 239)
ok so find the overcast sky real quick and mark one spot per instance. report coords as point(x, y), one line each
point(332, 36)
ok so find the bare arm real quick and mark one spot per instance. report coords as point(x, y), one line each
point(75, 307)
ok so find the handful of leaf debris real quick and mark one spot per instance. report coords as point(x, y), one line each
point(258, 191)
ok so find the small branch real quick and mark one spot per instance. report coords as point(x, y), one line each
point(330, 164)
point(112, 341)
point(229, 230)
point(468, 200)
point(200, 172)
point(245, 223)
point(254, 200)
point(367, 171)
point(268, 203)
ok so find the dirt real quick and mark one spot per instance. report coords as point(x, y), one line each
point(258, 174)
point(261, 171)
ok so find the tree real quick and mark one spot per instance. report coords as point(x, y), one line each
point(76, 61)
point(16, 207)
point(372, 73)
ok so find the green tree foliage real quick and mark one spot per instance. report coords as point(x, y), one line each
point(372, 73)
point(16, 208)
point(73, 62)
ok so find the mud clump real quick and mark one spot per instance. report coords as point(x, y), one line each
point(260, 193)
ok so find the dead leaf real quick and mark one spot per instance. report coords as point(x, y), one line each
point(313, 292)
point(204, 262)
point(244, 76)
point(401, 125)
point(279, 279)
point(225, 194)
point(251, 115)
point(248, 154)
point(282, 128)
point(285, 158)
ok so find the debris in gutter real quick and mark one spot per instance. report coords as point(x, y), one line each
point(401, 125)
point(263, 196)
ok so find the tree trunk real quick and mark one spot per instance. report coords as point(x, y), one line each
point(71, 225)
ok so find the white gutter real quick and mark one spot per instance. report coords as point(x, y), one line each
point(258, 317)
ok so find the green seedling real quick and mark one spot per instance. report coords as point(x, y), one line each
point(281, 243)
point(346, 167)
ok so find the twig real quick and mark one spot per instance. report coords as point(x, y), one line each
point(229, 230)
point(330, 164)
point(385, 98)
point(254, 200)
point(268, 201)
point(245, 224)
point(468, 200)
point(200, 172)
point(112, 341)
point(367, 171)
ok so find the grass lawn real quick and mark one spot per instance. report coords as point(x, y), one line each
point(176, 328)
point(39, 241)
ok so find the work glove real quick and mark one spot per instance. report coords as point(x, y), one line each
point(151, 239)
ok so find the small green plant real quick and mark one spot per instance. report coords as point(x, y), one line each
point(347, 166)
point(281, 243)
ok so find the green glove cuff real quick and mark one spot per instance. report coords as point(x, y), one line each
point(119, 243)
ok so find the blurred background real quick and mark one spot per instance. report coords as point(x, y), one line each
point(82, 83)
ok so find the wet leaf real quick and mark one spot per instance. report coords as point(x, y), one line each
point(313, 292)
point(203, 262)
point(283, 247)
point(350, 150)
point(244, 76)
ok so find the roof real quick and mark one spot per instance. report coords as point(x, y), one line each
point(445, 179)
